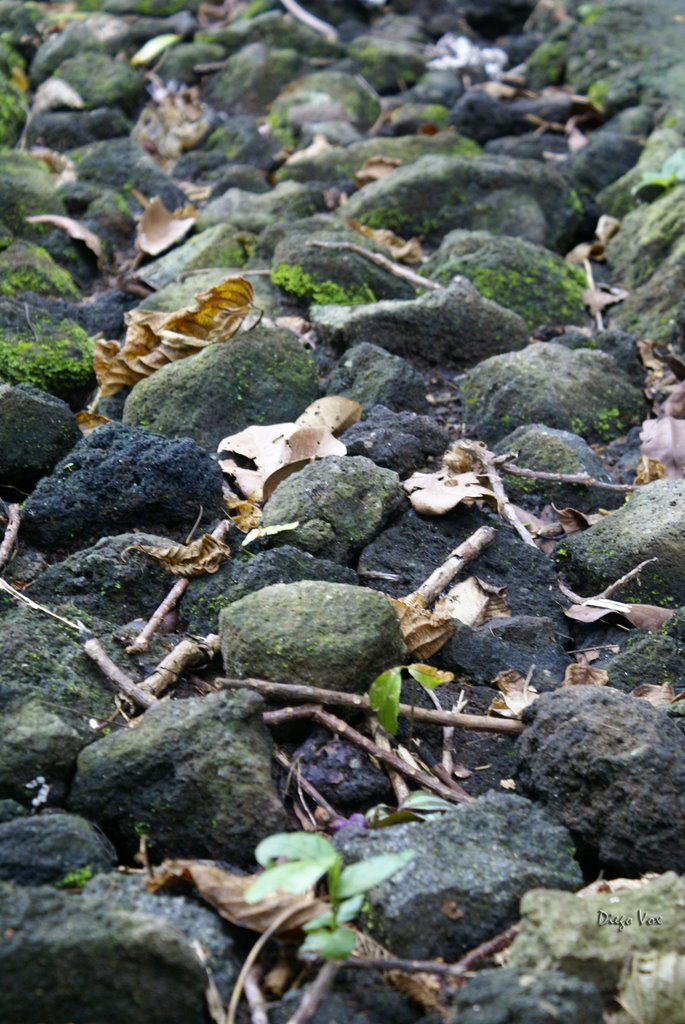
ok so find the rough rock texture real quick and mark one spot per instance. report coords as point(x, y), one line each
point(123, 164)
point(372, 376)
point(340, 504)
point(454, 328)
point(56, 848)
point(619, 789)
point(582, 391)
point(323, 634)
point(470, 870)
point(121, 477)
point(507, 994)
point(263, 376)
point(194, 777)
point(396, 440)
point(36, 431)
point(650, 525)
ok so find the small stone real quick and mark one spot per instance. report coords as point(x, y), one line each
point(536, 997)
point(53, 848)
point(36, 431)
point(396, 440)
point(372, 376)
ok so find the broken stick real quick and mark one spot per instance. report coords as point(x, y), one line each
point(454, 563)
point(10, 538)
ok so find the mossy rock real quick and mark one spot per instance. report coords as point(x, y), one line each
point(12, 112)
point(649, 236)
point(255, 211)
point(102, 81)
point(150, 8)
point(26, 189)
point(220, 246)
point(372, 376)
point(273, 28)
point(36, 431)
point(124, 165)
point(45, 350)
point(98, 33)
point(179, 62)
point(253, 78)
point(29, 268)
point(388, 64)
point(528, 279)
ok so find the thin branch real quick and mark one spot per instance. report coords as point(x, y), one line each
point(454, 563)
point(608, 591)
point(187, 654)
point(340, 728)
point(311, 21)
point(130, 689)
point(566, 478)
point(487, 949)
point(382, 261)
point(11, 531)
point(505, 507)
point(255, 996)
point(307, 694)
point(314, 995)
point(275, 925)
point(587, 267)
point(307, 786)
point(381, 739)
point(24, 599)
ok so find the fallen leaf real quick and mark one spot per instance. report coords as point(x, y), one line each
point(57, 163)
point(171, 123)
point(333, 412)
point(596, 250)
point(644, 616)
point(664, 440)
point(602, 295)
point(153, 48)
point(87, 421)
point(572, 520)
point(649, 470)
point(424, 632)
point(515, 695)
point(53, 94)
point(199, 558)
point(508, 784)
point(268, 531)
point(318, 145)
point(434, 494)
point(473, 602)
point(74, 230)
point(158, 229)
point(675, 402)
point(657, 696)
point(246, 514)
point(584, 675)
point(403, 250)
point(20, 80)
point(375, 168)
point(651, 989)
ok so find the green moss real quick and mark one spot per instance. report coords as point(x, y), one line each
point(608, 424)
point(528, 293)
point(598, 92)
point(294, 280)
point(589, 13)
point(12, 112)
point(76, 879)
point(29, 268)
point(436, 114)
point(57, 359)
point(277, 121)
point(550, 60)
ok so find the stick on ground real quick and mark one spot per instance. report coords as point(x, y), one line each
point(10, 538)
point(454, 563)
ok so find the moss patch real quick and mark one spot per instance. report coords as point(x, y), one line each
point(52, 354)
point(29, 268)
point(295, 280)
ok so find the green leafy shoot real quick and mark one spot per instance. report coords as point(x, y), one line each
point(384, 694)
point(304, 860)
point(654, 182)
point(415, 807)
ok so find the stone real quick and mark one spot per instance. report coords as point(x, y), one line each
point(536, 997)
point(435, 194)
point(29, 268)
point(401, 441)
point(330, 635)
point(619, 789)
point(372, 376)
point(454, 327)
point(389, 65)
point(582, 391)
point(118, 478)
point(482, 116)
point(123, 164)
point(98, 33)
point(12, 112)
point(102, 81)
point(53, 848)
point(607, 156)
point(650, 525)
point(238, 577)
point(26, 189)
point(194, 777)
point(340, 504)
point(220, 246)
point(254, 211)
point(62, 130)
point(323, 95)
point(36, 431)
point(253, 77)
point(262, 376)
point(525, 278)
point(471, 867)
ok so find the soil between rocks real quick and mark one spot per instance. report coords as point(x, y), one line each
point(459, 125)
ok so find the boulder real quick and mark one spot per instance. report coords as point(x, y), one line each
point(61, 849)
point(401, 441)
point(36, 431)
point(372, 376)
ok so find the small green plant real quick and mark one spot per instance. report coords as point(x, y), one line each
point(672, 171)
point(384, 695)
point(76, 879)
point(306, 858)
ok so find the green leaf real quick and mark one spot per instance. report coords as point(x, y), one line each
point(153, 48)
point(297, 877)
point(420, 800)
point(335, 945)
point(360, 877)
point(384, 697)
point(674, 165)
point(428, 676)
point(348, 909)
point(322, 921)
point(295, 846)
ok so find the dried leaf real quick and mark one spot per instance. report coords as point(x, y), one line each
point(572, 520)
point(473, 602)
point(434, 494)
point(246, 515)
point(74, 230)
point(226, 893)
point(508, 784)
point(515, 695)
point(319, 144)
point(664, 440)
point(158, 229)
point(87, 421)
point(424, 632)
point(57, 163)
point(644, 616)
point(652, 986)
point(405, 251)
point(602, 295)
point(53, 94)
point(20, 80)
point(202, 556)
point(606, 228)
point(153, 48)
point(675, 402)
point(584, 675)
point(171, 123)
point(657, 696)
point(375, 168)
point(154, 339)
point(268, 531)
point(333, 412)
point(649, 470)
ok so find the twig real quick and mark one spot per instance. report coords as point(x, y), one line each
point(599, 320)
point(23, 598)
point(11, 531)
point(565, 478)
point(111, 670)
point(608, 591)
point(307, 786)
point(505, 507)
point(336, 725)
point(313, 996)
point(382, 261)
point(380, 738)
point(187, 654)
point(454, 563)
point(255, 996)
point(170, 601)
point(300, 692)
point(275, 925)
point(311, 21)
point(487, 949)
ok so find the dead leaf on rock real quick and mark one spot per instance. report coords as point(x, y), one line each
point(434, 494)
point(375, 168)
point(649, 470)
point(602, 295)
point(424, 632)
point(334, 412)
point(54, 94)
point(88, 421)
point(268, 531)
point(199, 558)
point(596, 250)
point(318, 145)
point(657, 696)
point(171, 123)
point(573, 521)
point(515, 695)
point(652, 985)
point(644, 616)
point(159, 229)
point(664, 440)
point(473, 602)
point(245, 515)
point(57, 163)
point(675, 402)
point(74, 230)
point(402, 250)
point(584, 675)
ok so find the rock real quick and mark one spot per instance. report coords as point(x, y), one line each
point(99, 33)
point(253, 77)
point(26, 189)
point(653, 659)
point(262, 376)
point(12, 114)
point(471, 867)
point(29, 268)
point(620, 789)
point(435, 194)
point(63, 953)
point(36, 431)
point(650, 235)
point(525, 278)
point(61, 849)
point(357, 999)
point(59, 130)
point(536, 997)
point(220, 246)
point(271, 28)
point(650, 525)
point(49, 352)
point(207, 595)
point(194, 777)
point(340, 504)
point(492, 17)
point(341, 772)
point(254, 211)
point(482, 116)
point(561, 932)
point(620, 345)
point(122, 164)
point(322, 634)
point(102, 81)
point(323, 96)
point(390, 65)
point(108, 579)
point(555, 451)
point(607, 156)
point(582, 391)
point(181, 60)
point(372, 376)
point(236, 138)
point(396, 440)
point(119, 478)
point(454, 327)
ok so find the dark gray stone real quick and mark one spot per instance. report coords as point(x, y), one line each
point(396, 440)
point(483, 117)
point(36, 430)
point(372, 376)
point(123, 164)
point(52, 847)
point(510, 996)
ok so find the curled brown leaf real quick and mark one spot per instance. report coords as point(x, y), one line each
point(199, 558)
